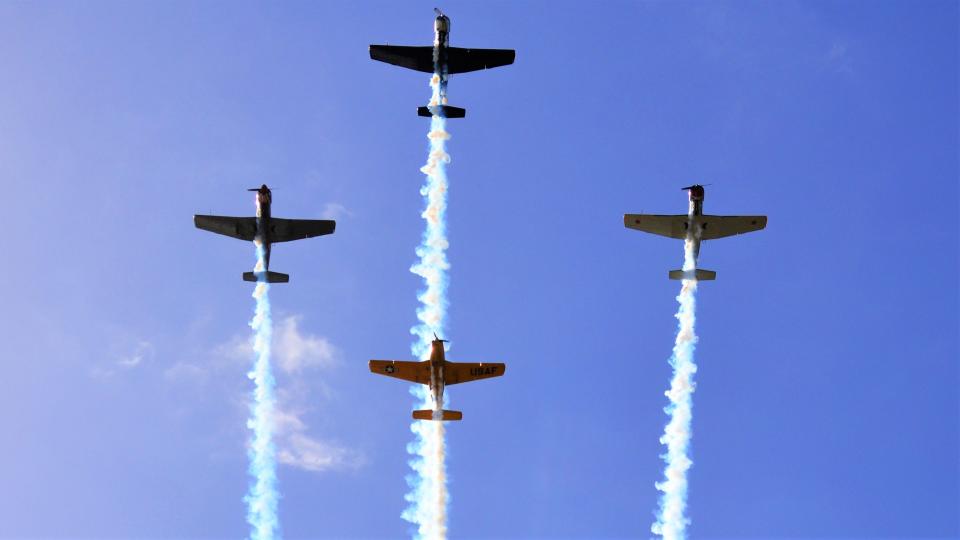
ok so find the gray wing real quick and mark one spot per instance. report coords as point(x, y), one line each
point(285, 230)
point(713, 227)
point(416, 58)
point(244, 228)
point(464, 60)
point(669, 226)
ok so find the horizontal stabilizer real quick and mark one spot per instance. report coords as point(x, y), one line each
point(270, 277)
point(698, 274)
point(428, 414)
point(445, 111)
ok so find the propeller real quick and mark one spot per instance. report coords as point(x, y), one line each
point(435, 338)
point(438, 12)
point(695, 185)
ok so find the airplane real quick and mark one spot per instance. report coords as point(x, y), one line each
point(695, 226)
point(437, 372)
point(267, 229)
point(442, 60)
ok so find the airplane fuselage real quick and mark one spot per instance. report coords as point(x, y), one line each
point(264, 200)
point(693, 222)
point(441, 42)
point(437, 360)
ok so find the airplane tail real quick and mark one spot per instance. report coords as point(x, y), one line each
point(445, 111)
point(698, 274)
point(272, 277)
point(429, 414)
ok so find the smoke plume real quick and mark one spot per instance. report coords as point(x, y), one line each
point(428, 496)
point(262, 496)
point(671, 519)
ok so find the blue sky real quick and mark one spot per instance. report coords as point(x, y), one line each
point(826, 404)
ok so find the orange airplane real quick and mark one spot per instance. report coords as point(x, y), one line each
point(437, 373)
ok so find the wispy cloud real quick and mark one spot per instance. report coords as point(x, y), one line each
point(293, 350)
point(295, 353)
point(335, 211)
point(236, 350)
point(297, 449)
point(143, 350)
point(232, 355)
point(127, 354)
point(839, 57)
point(184, 371)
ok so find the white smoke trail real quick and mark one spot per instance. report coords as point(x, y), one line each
point(671, 521)
point(428, 495)
point(262, 496)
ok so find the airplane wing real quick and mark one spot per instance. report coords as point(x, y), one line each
point(461, 372)
point(244, 228)
point(714, 227)
point(418, 372)
point(416, 58)
point(669, 226)
point(285, 230)
point(464, 60)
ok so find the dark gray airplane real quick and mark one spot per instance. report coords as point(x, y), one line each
point(696, 226)
point(442, 60)
point(267, 229)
